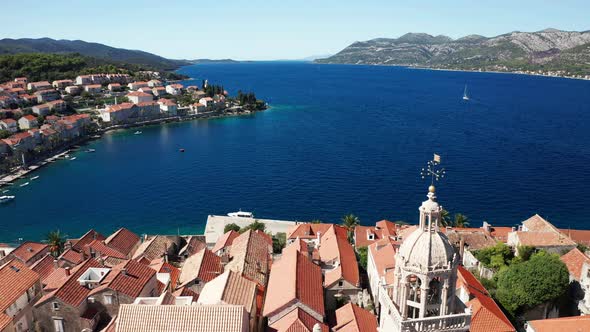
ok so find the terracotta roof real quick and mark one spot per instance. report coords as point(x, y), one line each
point(123, 240)
point(500, 233)
point(203, 265)
point(15, 280)
point(158, 318)
point(5, 320)
point(185, 291)
point(72, 256)
point(474, 239)
point(544, 239)
point(294, 278)
point(138, 94)
point(250, 256)
point(70, 291)
point(229, 288)
point(55, 279)
point(120, 107)
point(27, 251)
point(577, 323)
point(154, 248)
point(486, 314)
point(30, 117)
point(308, 231)
point(352, 318)
point(193, 245)
point(579, 236)
point(45, 266)
point(98, 247)
point(383, 254)
point(537, 224)
point(297, 320)
point(87, 238)
point(361, 235)
point(8, 121)
point(335, 248)
point(574, 260)
point(132, 278)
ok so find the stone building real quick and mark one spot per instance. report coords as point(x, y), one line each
point(422, 296)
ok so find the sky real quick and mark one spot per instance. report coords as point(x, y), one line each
point(271, 29)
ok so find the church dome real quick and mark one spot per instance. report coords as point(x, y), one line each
point(426, 249)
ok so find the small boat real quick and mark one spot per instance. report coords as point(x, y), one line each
point(35, 177)
point(241, 214)
point(5, 191)
point(73, 158)
point(181, 150)
point(4, 199)
point(91, 150)
point(465, 96)
point(25, 184)
point(137, 133)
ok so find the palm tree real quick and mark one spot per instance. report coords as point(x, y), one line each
point(445, 218)
point(461, 220)
point(350, 221)
point(56, 241)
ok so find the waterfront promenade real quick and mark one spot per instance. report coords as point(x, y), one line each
point(215, 225)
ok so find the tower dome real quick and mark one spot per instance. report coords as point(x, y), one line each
point(426, 250)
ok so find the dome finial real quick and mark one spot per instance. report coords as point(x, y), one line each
point(432, 189)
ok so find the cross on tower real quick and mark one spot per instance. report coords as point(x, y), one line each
point(433, 171)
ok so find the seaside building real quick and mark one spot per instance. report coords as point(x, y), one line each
point(27, 122)
point(154, 83)
point(174, 89)
point(136, 85)
point(157, 247)
point(198, 108)
point(42, 109)
point(9, 124)
point(42, 85)
point(159, 91)
point(541, 234)
point(168, 106)
point(93, 88)
point(60, 84)
point(250, 255)
point(20, 288)
point(44, 96)
point(381, 264)
point(27, 253)
point(200, 269)
point(137, 97)
point(422, 296)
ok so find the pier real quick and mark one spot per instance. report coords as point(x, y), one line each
point(216, 224)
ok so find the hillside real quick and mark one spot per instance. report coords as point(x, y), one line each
point(544, 50)
point(96, 50)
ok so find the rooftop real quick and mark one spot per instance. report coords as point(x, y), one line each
point(577, 323)
point(352, 318)
point(27, 251)
point(574, 260)
point(15, 280)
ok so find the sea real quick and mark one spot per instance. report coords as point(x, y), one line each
point(337, 139)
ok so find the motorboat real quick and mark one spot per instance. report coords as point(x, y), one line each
point(35, 177)
point(25, 184)
point(91, 150)
point(137, 132)
point(241, 214)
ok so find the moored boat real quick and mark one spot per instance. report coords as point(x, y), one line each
point(241, 214)
point(25, 184)
point(6, 198)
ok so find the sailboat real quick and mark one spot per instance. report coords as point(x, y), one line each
point(465, 96)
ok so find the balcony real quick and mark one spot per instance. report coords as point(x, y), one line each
point(454, 322)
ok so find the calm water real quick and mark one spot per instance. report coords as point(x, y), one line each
point(339, 139)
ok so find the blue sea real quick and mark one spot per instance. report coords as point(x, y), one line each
point(338, 139)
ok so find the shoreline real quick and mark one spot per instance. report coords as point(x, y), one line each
point(6, 180)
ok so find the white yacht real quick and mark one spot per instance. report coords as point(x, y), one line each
point(4, 199)
point(241, 214)
point(465, 96)
point(35, 177)
point(137, 132)
point(24, 184)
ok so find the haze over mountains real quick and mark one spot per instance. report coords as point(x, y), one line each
point(548, 49)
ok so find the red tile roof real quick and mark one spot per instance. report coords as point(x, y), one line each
point(185, 291)
point(297, 320)
point(72, 256)
point(250, 256)
point(383, 255)
point(574, 260)
point(87, 238)
point(123, 240)
point(99, 248)
point(30, 117)
point(229, 288)
point(308, 231)
point(486, 314)
point(155, 247)
point(45, 266)
point(204, 265)
point(579, 236)
point(352, 318)
point(27, 251)
point(577, 323)
point(132, 278)
point(15, 280)
point(70, 291)
point(294, 278)
point(334, 247)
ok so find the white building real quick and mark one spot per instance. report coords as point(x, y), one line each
point(174, 89)
point(422, 296)
point(137, 97)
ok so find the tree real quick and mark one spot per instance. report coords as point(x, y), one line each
point(362, 257)
point(445, 218)
point(55, 241)
point(255, 226)
point(461, 220)
point(539, 280)
point(279, 241)
point(231, 227)
point(4, 133)
point(495, 257)
point(350, 221)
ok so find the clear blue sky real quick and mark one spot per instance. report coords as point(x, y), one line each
point(283, 29)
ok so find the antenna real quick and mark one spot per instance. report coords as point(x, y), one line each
point(433, 171)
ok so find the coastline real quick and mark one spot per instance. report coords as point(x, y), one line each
point(7, 179)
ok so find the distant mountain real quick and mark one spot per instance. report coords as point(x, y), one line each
point(196, 61)
point(96, 50)
point(549, 49)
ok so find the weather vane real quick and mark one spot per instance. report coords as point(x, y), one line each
point(433, 171)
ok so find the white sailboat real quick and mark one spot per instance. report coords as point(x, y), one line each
point(465, 96)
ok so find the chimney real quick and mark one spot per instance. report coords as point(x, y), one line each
point(513, 229)
point(166, 257)
point(93, 235)
point(317, 328)
point(55, 265)
point(67, 270)
point(124, 271)
point(487, 227)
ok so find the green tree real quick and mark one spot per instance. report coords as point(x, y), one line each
point(362, 256)
point(461, 220)
point(539, 280)
point(495, 257)
point(445, 218)
point(4, 133)
point(231, 227)
point(279, 241)
point(350, 221)
point(255, 226)
point(55, 241)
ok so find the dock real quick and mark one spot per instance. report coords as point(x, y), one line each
point(216, 224)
